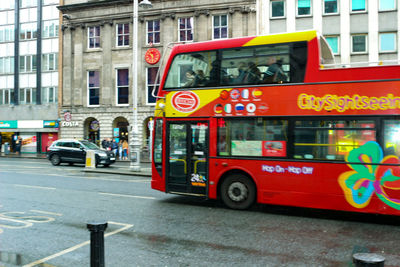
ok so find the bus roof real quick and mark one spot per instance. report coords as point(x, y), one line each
point(246, 41)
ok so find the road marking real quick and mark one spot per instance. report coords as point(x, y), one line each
point(103, 179)
point(25, 167)
point(36, 187)
point(68, 250)
point(121, 195)
point(47, 212)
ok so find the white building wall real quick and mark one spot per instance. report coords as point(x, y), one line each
point(371, 22)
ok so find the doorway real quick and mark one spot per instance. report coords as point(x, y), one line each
point(187, 154)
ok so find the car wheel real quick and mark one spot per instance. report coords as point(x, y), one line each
point(55, 160)
point(238, 192)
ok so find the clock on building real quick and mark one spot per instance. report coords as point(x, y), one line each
point(152, 56)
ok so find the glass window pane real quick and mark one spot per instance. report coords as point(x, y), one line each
point(150, 26)
point(277, 8)
point(224, 20)
point(22, 64)
point(123, 77)
point(94, 79)
point(51, 94)
point(392, 137)
point(333, 43)
point(224, 33)
point(123, 95)
point(158, 138)
point(358, 5)
point(156, 25)
point(359, 43)
point(387, 42)
point(304, 7)
point(331, 140)
point(216, 21)
point(252, 137)
point(94, 96)
point(386, 5)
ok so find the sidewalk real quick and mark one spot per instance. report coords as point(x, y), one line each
point(120, 167)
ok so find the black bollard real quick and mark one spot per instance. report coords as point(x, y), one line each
point(97, 243)
point(368, 260)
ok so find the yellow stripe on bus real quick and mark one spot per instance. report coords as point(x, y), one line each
point(282, 38)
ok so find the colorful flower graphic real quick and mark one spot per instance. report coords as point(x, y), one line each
point(372, 173)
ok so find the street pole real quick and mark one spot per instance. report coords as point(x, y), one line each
point(135, 139)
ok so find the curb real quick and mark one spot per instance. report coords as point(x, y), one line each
point(145, 174)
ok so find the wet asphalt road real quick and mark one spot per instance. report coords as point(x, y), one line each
point(44, 211)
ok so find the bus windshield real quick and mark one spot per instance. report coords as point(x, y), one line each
point(264, 64)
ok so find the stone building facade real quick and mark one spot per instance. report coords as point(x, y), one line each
point(96, 100)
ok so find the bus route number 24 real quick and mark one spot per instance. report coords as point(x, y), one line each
point(198, 180)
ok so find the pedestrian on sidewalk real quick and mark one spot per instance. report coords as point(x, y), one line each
point(125, 147)
point(18, 144)
point(120, 149)
point(114, 147)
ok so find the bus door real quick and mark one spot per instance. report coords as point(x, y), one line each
point(187, 154)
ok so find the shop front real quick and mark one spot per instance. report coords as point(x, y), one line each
point(35, 135)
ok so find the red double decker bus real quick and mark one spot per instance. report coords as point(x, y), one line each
point(260, 119)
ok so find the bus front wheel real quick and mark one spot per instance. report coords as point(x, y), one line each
point(238, 192)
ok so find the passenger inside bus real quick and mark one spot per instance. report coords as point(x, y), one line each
point(241, 70)
point(253, 75)
point(274, 72)
point(200, 78)
point(190, 78)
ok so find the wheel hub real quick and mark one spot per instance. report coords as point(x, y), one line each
point(237, 191)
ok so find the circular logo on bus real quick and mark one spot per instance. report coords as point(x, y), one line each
point(185, 101)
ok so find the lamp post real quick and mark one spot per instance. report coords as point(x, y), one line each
point(135, 140)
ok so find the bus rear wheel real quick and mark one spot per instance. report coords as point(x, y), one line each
point(238, 192)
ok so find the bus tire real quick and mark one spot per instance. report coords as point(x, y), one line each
point(238, 192)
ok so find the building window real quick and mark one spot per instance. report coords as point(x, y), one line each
point(6, 5)
point(151, 82)
point(7, 33)
point(387, 5)
point(6, 65)
point(122, 86)
point(185, 29)
point(268, 135)
point(303, 7)
point(28, 31)
point(50, 28)
point(50, 2)
point(6, 96)
point(358, 5)
point(220, 23)
point(387, 42)
point(27, 96)
point(153, 32)
point(49, 95)
point(94, 37)
point(123, 34)
point(333, 42)
point(49, 62)
point(27, 3)
point(330, 6)
point(27, 63)
point(277, 9)
point(359, 43)
point(93, 88)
